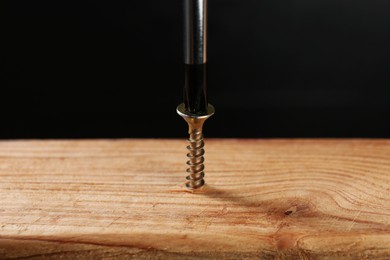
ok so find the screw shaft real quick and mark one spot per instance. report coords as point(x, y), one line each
point(195, 147)
point(195, 161)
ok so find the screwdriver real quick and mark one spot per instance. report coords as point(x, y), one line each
point(195, 109)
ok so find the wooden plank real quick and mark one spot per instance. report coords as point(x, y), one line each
point(281, 199)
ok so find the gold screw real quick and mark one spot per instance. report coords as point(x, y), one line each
point(195, 145)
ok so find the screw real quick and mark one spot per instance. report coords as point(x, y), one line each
point(195, 145)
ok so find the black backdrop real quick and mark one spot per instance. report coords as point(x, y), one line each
point(297, 68)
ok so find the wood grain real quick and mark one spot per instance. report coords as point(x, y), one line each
point(267, 199)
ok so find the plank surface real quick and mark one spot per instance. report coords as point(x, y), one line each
point(308, 199)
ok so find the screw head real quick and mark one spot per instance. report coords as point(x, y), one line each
point(194, 121)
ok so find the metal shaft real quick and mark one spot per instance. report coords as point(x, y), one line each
point(195, 56)
point(195, 31)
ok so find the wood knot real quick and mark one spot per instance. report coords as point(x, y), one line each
point(291, 210)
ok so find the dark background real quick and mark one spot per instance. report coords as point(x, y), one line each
point(94, 69)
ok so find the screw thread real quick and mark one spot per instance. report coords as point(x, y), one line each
point(195, 161)
point(195, 167)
